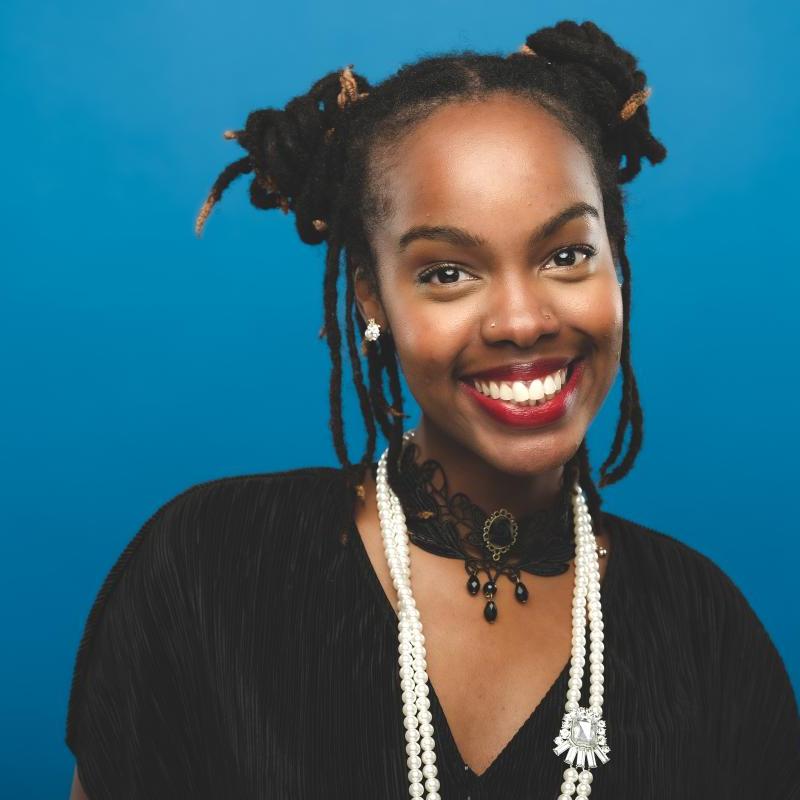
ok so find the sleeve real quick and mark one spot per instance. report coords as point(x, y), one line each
point(759, 705)
point(135, 685)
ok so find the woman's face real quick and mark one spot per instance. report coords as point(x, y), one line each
point(495, 271)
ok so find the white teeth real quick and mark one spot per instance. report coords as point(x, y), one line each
point(525, 392)
point(536, 391)
point(520, 392)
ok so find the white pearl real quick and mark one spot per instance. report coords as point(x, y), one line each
point(583, 790)
point(570, 774)
point(586, 603)
point(430, 771)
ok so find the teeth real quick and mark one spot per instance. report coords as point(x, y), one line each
point(536, 391)
point(529, 393)
point(519, 391)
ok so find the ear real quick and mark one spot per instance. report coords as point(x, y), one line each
point(367, 298)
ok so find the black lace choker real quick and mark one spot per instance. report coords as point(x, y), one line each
point(540, 543)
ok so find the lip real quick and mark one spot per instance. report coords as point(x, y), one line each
point(522, 371)
point(520, 416)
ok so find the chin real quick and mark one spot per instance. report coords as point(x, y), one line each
point(526, 458)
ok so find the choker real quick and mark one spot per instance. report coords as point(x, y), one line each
point(497, 543)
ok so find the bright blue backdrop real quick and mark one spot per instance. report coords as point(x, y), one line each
point(138, 360)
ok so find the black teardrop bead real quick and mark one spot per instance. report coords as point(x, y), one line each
point(473, 585)
point(490, 611)
point(489, 588)
point(521, 593)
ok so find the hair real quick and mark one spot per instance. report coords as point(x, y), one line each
point(318, 157)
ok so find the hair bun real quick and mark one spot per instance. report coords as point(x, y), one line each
point(290, 153)
point(583, 51)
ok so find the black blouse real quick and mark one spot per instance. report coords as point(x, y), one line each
point(242, 647)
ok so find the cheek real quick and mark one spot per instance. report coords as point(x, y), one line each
point(429, 338)
point(597, 311)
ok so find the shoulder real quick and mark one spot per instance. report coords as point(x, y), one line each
point(206, 535)
point(664, 564)
point(677, 582)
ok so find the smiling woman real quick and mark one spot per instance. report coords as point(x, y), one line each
point(262, 635)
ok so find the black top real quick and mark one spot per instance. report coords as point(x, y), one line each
point(242, 647)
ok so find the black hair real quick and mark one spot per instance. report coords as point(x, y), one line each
point(317, 157)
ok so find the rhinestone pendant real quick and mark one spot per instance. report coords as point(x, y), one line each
point(583, 735)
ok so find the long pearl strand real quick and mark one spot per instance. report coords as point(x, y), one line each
point(582, 732)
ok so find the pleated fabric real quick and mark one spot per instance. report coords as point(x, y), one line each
point(242, 647)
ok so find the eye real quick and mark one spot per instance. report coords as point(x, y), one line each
point(444, 273)
point(565, 257)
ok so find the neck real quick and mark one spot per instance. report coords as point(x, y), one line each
point(484, 484)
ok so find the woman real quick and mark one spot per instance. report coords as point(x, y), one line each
point(246, 642)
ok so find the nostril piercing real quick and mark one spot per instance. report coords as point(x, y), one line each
point(492, 324)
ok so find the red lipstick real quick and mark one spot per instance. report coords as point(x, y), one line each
point(517, 414)
point(528, 371)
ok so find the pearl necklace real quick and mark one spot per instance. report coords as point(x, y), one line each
point(582, 733)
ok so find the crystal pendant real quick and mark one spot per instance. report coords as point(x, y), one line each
point(490, 611)
point(583, 735)
point(473, 585)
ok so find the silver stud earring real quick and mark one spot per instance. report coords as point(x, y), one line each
point(373, 330)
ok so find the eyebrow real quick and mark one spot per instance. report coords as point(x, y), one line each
point(461, 238)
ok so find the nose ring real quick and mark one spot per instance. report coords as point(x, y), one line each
point(492, 324)
point(547, 316)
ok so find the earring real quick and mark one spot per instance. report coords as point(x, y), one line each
point(373, 330)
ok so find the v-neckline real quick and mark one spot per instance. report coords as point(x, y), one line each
point(443, 730)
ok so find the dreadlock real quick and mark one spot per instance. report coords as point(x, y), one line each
point(318, 158)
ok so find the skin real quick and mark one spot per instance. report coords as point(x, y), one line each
point(499, 169)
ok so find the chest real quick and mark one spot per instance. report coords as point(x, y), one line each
point(489, 679)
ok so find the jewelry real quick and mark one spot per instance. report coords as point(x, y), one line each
point(583, 731)
point(373, 330)
point(496, 544)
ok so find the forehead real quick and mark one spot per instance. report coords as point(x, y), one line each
point(486, 165)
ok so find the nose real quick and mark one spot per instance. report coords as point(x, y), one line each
point(520, 313)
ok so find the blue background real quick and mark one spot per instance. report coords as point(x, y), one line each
point(138, 360)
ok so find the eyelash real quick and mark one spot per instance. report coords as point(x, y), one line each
point(425, 276)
